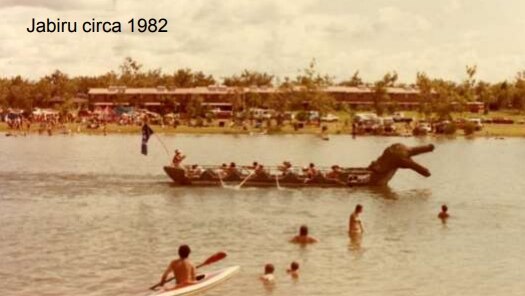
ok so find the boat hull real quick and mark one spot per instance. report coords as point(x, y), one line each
point(207, 281)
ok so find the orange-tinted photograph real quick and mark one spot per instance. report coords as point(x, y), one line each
point(262, 147)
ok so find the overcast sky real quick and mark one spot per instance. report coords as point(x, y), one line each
point(223, 37)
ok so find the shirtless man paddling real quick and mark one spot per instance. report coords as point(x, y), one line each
point(182, 268)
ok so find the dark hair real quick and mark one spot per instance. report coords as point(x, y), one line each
point(268, 268)
point(358, 208)
point(312, 164)
point(255, 163)
point(294, 266)
point(184, 251)
point(232, 164)
point(303, 230)
point(444, 208)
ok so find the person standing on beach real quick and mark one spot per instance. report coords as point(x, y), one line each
point(355, 225)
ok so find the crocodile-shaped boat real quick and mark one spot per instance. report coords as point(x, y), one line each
point(378, 173)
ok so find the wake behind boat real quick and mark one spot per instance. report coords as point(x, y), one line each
point(204, 282)
point(378, 173)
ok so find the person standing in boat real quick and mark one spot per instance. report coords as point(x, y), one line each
point(303, 238)
point(178, 158)
point(182, 269)
point(355, 225)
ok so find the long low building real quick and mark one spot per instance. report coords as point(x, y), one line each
point(158, 97)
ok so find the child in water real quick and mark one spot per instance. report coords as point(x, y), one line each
point(268, 277)
point(293, 270)
point(443, 215)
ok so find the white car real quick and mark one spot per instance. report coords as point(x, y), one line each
point(330, 118)
point(477, 123)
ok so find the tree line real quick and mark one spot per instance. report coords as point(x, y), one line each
point(436, 95)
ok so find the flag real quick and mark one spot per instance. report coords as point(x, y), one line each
point(146, 133)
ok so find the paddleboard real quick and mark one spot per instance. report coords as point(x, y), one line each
point(205, 282)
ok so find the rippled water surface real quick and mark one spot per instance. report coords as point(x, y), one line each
point(89, 215)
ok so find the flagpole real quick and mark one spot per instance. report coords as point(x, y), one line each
point(163, 145)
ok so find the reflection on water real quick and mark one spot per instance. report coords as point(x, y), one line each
point(87, 215)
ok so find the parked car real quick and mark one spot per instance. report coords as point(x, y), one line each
point(400, 117)
point(477, 123)
point(502, 120)
point(330, 118)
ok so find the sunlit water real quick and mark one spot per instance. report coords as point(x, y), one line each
point(89, 215)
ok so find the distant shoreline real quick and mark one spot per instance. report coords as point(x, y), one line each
point(490, 130)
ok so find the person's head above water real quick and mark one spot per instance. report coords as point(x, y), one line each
point(268, 268)
point(184, 251)
point(303, 230)
point(294, 266)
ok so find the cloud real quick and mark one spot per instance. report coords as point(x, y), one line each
point(59, 4)
point(225, 37)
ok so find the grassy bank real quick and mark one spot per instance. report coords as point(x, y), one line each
point(489, 130)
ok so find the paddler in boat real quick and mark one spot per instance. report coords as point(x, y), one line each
point(222, 171)
point(334, 173)
point(182, 269)
point(310, 171)
point(232, 169)
point(303, 238)
point(178, 158)
point(260, 171)
point(194, 171)
point(285, 168)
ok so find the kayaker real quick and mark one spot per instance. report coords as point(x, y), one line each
point(303, 238)
point(293, 270)
point(443, 215)
point(355, 226)
point(268, 276)
point(182, 268)
point(178, 158)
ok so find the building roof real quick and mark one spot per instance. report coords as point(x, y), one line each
point(232, 90)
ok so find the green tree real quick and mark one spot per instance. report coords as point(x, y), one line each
point(355, 80)
point(381, 97)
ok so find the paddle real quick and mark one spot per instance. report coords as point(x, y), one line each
point(245, 179)
point(212, 259)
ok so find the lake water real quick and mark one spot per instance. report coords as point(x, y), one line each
point(90, 215)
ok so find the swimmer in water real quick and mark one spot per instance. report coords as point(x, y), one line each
point(268, 276)
point(303, 238)
point(443, 215)
point(293, 270)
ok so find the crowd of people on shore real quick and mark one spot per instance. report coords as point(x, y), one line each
point(185, 272)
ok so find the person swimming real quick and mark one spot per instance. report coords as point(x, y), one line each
point(303, 238)
point(293, 271)
point(443, 215)
point(268, 276)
